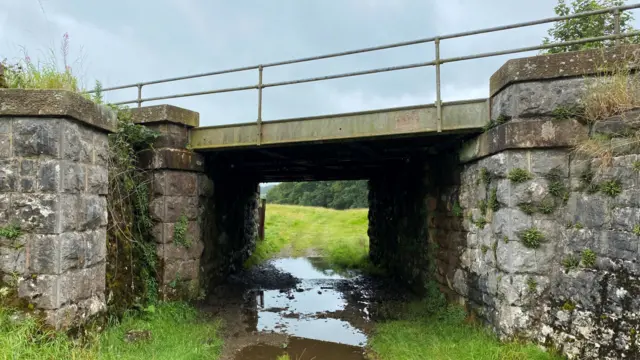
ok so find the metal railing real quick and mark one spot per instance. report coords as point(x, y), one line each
point(437, 62)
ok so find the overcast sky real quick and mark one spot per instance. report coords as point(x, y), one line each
point(126, 41)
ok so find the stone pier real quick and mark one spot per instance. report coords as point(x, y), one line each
point(53, 186)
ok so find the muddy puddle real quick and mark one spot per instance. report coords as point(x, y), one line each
point(297, 306)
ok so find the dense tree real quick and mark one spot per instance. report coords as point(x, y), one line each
point(330, 194)
point(586, 27)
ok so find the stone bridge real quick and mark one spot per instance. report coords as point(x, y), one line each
point(494, 206)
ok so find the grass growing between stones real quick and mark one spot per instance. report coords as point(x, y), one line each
point(171, 331)
point(338, 235)
point(424, 330)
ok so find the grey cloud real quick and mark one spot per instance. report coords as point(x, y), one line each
point(131, 41)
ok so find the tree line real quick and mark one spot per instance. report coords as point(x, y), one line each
point(330, 194)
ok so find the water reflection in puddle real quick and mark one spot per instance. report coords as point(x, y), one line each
point(299, 311)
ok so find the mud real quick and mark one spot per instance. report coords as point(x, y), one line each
point(298, 306)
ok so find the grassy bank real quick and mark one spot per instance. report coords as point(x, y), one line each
point(339, 235)
point(432, 330)
point(171, 331)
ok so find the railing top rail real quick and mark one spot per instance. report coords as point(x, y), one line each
point(386, 46)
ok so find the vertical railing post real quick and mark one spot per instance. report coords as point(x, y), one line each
point(262, 210)
point(259, 121)
point(438, 98)
point(139, 95)
point(616, 25)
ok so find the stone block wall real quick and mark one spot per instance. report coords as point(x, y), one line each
point(232, 230)
point(552, 238)
point(179, 191)
point(398, 235)
point(53, 186)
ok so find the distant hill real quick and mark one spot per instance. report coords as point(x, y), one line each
point(330, 194)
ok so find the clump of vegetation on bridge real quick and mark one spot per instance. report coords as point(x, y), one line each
point(338, 235)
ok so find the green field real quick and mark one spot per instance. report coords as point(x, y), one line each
point(338, 235)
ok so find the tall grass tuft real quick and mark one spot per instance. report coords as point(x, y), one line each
point(49, 74)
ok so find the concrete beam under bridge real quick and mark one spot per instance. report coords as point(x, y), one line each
point(457, 117)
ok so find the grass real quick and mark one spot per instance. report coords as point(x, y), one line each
point(338, 235)
point(424, 330)
point(172, 331)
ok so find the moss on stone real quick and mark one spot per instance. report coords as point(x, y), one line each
point(531, 238)
point(518, 175)
point(636, 230)
point(493, 204)
point(568, 306)
point(570, 262)
point(456, 209)
point(588, 258)
point(482, 205)
point(612, 188)
point(532, 284)
point(527, 208)
point(484, 248)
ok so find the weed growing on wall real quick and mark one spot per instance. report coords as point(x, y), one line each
point(612, 188)
point(517, 175)
point(588, 258)
point(531, 238)
point(10, 232)
point(180, 237)
point(570, 262)
point(132, 261)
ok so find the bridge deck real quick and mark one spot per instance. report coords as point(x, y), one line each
point(459, 116)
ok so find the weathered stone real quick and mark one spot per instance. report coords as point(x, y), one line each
point(97, 180)
point(73, 177)
point(36, 136)
point(180, 270)
point(173, 251)
point(49, 176)
point(28, 167)
point(35, 212)
point(563, 65)
point(176, 206)
point(93, 212)
point(5, 145)
point(588, 210)
point(100, 149)
point(545, 161)
point(74, 285)
point(526, 134)
point(510, 222)
point(70, 212)
point(8, 175)
point(72, 251)
point(56, 104)
point(157, 209)
point(44, 252)
point(13, 260)
point(77, 142)
point(625, 219)
point(27, 185)
point(5, 200)
point(41, 290)
point(165, 113)
point(181, 183)
point(96, 246)
point(5, 125)
point(168, 158)
point(514, 257)
point(577, 286)
point(618, 245)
